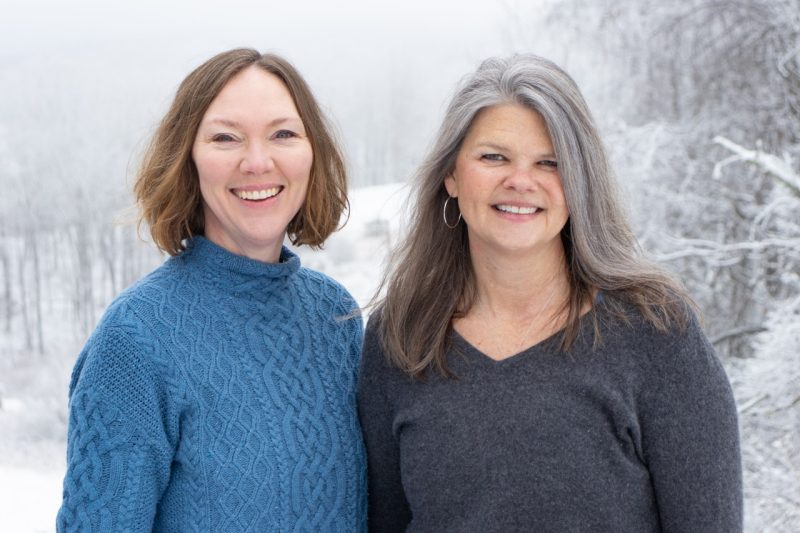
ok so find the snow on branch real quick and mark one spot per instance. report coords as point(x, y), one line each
point(720, 253)
point(780, 168)
point(738, 332)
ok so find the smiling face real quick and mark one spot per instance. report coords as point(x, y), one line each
point(508, 186)
point(253, 160)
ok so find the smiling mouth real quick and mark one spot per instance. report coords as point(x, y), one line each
point(516, 210)
point(258, 195)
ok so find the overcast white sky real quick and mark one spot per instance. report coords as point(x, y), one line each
point(114, 65)
point(104, 71)
point(336, 37)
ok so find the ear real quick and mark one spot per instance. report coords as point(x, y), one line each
point(451, 185)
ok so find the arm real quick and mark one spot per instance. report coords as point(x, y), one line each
point(388, 508)
point(690, 439)
point(121, 437)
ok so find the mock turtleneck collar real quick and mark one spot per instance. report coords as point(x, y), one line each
point(227, 266)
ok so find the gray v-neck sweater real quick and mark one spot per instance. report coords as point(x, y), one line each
point(639, 435)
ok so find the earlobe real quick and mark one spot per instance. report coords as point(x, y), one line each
point(451, 185)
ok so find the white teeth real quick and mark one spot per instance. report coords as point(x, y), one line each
point(517, 210)
point(258, 195)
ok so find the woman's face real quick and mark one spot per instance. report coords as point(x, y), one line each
point(508, 186)
point(253, 159)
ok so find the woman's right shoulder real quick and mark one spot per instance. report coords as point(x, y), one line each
point(123, 335)
point(374, 357)
point(152, 290)
point(372, 332)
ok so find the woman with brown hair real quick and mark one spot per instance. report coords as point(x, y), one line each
point(218, 393)
point(527, 369)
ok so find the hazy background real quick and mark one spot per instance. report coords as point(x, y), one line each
point(699, 102)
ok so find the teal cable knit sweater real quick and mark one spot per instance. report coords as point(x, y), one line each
point(218, 394)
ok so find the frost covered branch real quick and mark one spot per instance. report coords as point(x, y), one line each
point(746, 406)
point(720, 252)
point(780, 168)
point(738, 332)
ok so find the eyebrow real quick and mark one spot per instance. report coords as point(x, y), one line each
point(501, 148)
point(234, 124)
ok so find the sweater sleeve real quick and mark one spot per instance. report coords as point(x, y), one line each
point(690, 438)
point(121, 437)
point(388, 509)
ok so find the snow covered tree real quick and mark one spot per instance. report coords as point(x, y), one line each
point(700, 100)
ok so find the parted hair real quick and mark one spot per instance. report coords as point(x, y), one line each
point(430, 279)
point(167, 187)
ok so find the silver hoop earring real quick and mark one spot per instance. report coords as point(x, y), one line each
point(444, 214)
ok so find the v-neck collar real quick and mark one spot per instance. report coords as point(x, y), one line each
point(545, 347)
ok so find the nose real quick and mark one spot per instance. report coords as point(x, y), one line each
point(257, 159)
point(521, 178)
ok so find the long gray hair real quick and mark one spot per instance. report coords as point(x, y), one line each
point(430, 279)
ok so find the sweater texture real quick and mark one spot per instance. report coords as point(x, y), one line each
point(218, 394)
point(637, 435)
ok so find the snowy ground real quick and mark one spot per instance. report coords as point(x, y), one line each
point(33, 394)
point(29, 498)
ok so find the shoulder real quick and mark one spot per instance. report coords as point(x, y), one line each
point(117, 359)
point(123, 345)
point(326, 306)
point(322, 286)
point(669, 362)
point(159, 299)
point(687, 356)
point(372, 333)
point(625, 322)
point(374, 358)
point(162, 279)
point(318, 281)
point(381, 383)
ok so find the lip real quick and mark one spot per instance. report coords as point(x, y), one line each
point(517, 206)
point(516, 203)
point(267, 196)
point(255, 187)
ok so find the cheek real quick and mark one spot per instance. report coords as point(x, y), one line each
point(210, 170)
point(211, 181)
point(296, 163)
point(305, 164)
point(556, 191)
point(477, 186)
point(469, 182)
point(208, 197)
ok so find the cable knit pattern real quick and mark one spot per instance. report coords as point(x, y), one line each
point(218, 394)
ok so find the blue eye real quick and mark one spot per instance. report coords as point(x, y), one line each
point(285, 134)
point(494, 157)
point(222, 138)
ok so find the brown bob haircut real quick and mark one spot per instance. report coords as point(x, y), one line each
point(167, 187)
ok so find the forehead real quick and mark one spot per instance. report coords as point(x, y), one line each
point(510, 122)
point(253, 91)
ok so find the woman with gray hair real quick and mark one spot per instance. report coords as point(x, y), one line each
point(527, 369)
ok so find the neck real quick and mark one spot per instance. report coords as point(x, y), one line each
point(515, 287)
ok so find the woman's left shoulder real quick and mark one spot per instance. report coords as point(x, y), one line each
point(682, 342)
point(680, 353)
point(324, 288)
point(685, 338)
